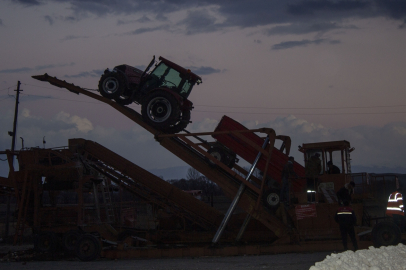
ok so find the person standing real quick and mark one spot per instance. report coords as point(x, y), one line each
point(312, 170)
point(395, 209)
point(344, 194)
point(287, 173)
point(346, 218)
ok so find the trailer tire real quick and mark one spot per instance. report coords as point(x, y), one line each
point(386, 234)
point(111, 85)
point(179, 125)
point(271, 198)
point(88, 248)
point(217, 153)
point(46, 242)
point(70, 240)
point(160, 109)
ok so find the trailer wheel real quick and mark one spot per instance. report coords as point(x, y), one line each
point(179, 125)
point(88, 248)
point(111, 85)
point(160, 109)
point(217, 153)
point(46, 242)
point(272, 198)
point(386, 234)
point(70, 240)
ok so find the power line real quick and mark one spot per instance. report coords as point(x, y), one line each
point(7, 88)
point(301, 113)
point(304, 108)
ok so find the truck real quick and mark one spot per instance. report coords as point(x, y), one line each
point(163, 92)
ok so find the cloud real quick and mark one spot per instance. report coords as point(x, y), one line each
point(199, 21)
point(49, 19)
point(72, 37)
point(28, 2)
point(203, 70)
point(86, 74)
point(374, 146)
point(305, 28)
point(302, 16)
point(147, 30)
point(27, 69)
point(1, 23)
point(301, 43)
point(143, 19)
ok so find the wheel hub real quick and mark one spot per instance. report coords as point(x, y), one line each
point(273, 199)
point(110, 85)
point(159, 109)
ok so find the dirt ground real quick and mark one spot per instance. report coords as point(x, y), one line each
point(294, 261)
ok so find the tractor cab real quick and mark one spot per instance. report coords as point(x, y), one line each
point(335, 163)
point(169, 75)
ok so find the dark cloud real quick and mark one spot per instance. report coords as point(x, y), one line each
point(1, 22)
point(49, 19)
point(302, 43)
point(314, 15)
point(86, 74)
point(72, 37)
point(311, 7)
point(147, 30)
point(37, 68)
point(203, 70)
point(143, 19)
point(199, 22)
point(28, 2)
point(304, 28)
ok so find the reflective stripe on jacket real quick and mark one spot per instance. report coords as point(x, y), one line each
point(395, 204)
point(345, 216)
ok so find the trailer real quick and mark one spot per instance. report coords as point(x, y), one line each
point(300, 227)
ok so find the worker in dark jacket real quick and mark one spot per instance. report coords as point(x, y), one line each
point(287, 173)
point(332, 169)
point(344, 194)
point(346, 218)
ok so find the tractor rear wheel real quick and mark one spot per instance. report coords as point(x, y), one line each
point(386, 234)
point(181, 124)
point(160, 109)
point(111, 85)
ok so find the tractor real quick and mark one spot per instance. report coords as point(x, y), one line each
point(163, 92)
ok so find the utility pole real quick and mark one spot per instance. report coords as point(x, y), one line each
point(13, 142)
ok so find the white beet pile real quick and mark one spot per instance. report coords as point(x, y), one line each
point(383, 258)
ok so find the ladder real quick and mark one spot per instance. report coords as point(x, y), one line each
point(108, 204)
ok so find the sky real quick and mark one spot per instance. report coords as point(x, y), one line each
point(315, 70)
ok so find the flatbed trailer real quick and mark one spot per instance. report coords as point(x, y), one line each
point(196, 156)
point(315, 224)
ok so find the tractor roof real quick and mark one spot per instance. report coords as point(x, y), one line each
point(181, 69)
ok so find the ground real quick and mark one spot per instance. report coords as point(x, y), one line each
point(293, 261)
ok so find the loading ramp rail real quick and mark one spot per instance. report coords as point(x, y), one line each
point(228, 180)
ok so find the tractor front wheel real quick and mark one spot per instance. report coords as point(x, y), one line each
point(161, 110)
point(111, 85)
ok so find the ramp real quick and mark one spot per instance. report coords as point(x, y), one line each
point(229, 181)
